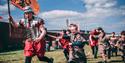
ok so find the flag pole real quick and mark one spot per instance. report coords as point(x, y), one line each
point(8, 7)
point(9, 16)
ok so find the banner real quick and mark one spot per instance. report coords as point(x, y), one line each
point(23, 3)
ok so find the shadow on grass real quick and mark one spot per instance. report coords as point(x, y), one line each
point(100, 62)
point(3, 62)
point(8, 61)
point(116, 61)
point(113, 61)
point(7, 53)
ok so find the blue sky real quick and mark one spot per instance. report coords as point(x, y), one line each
point(88, 14)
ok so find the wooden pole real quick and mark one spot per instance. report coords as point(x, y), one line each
point(8, 7)
point(8, 2)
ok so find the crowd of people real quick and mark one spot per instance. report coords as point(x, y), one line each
point(70, 40)
point(107, 45)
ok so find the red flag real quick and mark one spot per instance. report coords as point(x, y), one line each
point(35, 6)
point(23, 3)
point(18, 3)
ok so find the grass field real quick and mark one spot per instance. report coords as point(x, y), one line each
point(17, 57)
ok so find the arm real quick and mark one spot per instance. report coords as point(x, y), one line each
point(59, 37)
point(90, 38)
point(118, 43)
point(14, 24)
point(42, 35)
point(52, 36)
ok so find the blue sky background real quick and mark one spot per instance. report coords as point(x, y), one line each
point(88, 14)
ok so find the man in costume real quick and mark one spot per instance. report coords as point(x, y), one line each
point(34, 35)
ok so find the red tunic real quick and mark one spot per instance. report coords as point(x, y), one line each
point(34, 48)
point(93, 42)
point(64, 43)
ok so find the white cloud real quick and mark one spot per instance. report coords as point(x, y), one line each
point(102, 8)
point(99, 3)
point(54, 14)
point(96, 14)
point(4, 11)
point(4, 8)
point(94, 9)
point(122, 9)
point(117, 27)
point(56, 19)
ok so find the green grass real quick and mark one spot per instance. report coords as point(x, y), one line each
point(18, 57)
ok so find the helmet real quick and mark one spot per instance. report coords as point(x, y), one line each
point(28, 9)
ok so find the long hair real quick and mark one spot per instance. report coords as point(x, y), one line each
point(123, 33)
point(100, 29)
